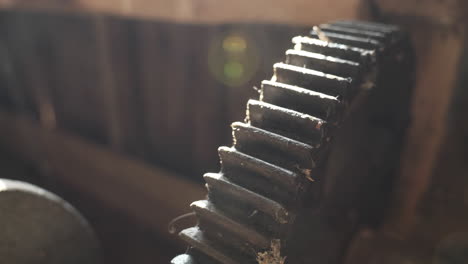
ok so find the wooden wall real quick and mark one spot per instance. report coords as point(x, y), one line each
point(302, 12)
point(143, 88)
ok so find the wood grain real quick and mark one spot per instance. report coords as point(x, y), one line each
point(146, 192)
point(206, 11)
point(436, 12)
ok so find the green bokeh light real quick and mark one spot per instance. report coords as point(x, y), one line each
point(233, 70)
point(233, 58)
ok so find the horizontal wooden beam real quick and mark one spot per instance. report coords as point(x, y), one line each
point(303, 12)
point(152, 195)
point(435, 12)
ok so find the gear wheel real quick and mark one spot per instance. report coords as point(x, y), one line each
point(276, 195)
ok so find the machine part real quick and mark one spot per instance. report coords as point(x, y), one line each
point(36, 227)
point(316, 156)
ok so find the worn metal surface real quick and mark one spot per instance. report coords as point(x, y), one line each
point(316, 155)
point(39, 227)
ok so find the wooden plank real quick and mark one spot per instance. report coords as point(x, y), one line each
point(207, 11)
point(152, 38)
point(108, 93)
point(153, 196)
point(30, 86)
point(178, 117)
point(165, 90)
point(12, 94)
point(416, 222)
point(438, 56)
point(436, 12)
point(126, 87)
point(207, 104)
point(56, 82)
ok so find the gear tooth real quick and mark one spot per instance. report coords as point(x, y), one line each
point(184, 259)
point(273, 167)
point(273, 148)
point(222, 186)
point(350, 40)
point(195, 237)
point(357, 32)
point(331, 49)
point(379, 27)
point(232, 233)
point(258, 175)
point(289, 123)
point(201, 257)
point(323, 63)
point(316, 104)
point(312, 80)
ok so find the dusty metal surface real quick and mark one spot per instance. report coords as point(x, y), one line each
point(39, 227)
point(316, 155)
